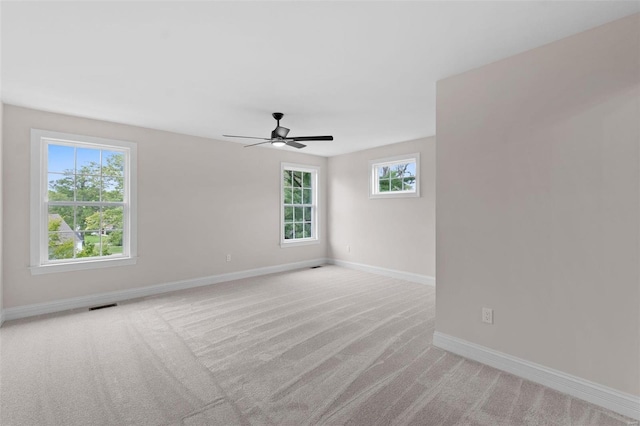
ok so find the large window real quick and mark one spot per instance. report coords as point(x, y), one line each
point(83, 202)
point(299, 204)
point(395, 177)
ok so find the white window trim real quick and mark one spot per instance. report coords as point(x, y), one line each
point(39, 190)
point(315, 173)
point(398, 159)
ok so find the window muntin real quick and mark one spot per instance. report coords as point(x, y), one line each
point(83, 203)
point(395, 177)
point(299, 204)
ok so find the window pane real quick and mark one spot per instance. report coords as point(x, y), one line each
point(306, 196)
point(288, 214)
point(89, 242)
point(88, 218)
point(113, 240)
point(111, 218)
point(112, 189)
point(299, 229)
point(306, 180)
point(61, 218)
point(287, 180)
point(103, 229)
point(297, 179)
point(60, 158)
point(87, 188)
point(383, 171)
point(61, 245)
point(298, 214)
point(409, 183)
point(287, 195)
point(297, 196)
point(60, 187)
point(396, 184)
point(288, 231)
point(58, 224)
point(307, 214)
point(411, 169)
point(88, 161)
point(62, 238)
point(384, 185)
point(112, 163)
point(398, 170)
point(307, 230)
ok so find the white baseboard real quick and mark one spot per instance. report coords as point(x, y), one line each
point(117, 296)
point(407, 276)
point(603, 396)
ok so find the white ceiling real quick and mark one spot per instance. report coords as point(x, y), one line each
point(364, 72)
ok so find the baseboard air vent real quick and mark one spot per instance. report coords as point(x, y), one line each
point(103, 306)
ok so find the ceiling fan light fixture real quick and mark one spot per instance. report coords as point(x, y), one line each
point(278, 143)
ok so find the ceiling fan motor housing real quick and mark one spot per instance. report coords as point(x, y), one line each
point(279, 132)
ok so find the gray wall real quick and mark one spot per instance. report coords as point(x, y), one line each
point(198, 199)
point(394, 233)
point(539, 205)
point(1, 190)
point(1, 216)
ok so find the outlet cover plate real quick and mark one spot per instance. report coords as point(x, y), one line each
point(487, 315)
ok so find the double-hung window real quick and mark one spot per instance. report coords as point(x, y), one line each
point(83, 202)
point(299, 204)
point(395, 177)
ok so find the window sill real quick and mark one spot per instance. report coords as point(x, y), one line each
point(395, 195)
point(296, 243)
point(77, 266)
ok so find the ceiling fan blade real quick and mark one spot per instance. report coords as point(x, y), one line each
point(245, 137)
point(311, 138)
point(295, 144)
point(259, 143)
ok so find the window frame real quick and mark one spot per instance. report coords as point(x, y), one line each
point(374, 165)
point(315, 226)
point(40, 263)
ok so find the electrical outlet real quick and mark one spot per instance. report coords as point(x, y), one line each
point(487, 315)
point(228, 258)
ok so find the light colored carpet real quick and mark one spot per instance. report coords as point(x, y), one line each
point(317, 346)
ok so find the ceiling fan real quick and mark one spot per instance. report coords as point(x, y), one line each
point(279, 136)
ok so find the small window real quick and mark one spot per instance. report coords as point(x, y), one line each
point(395, 177)
point(83, 202)
point(299, 205)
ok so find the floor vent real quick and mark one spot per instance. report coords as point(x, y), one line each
point(315, 267)
point(111, 305)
